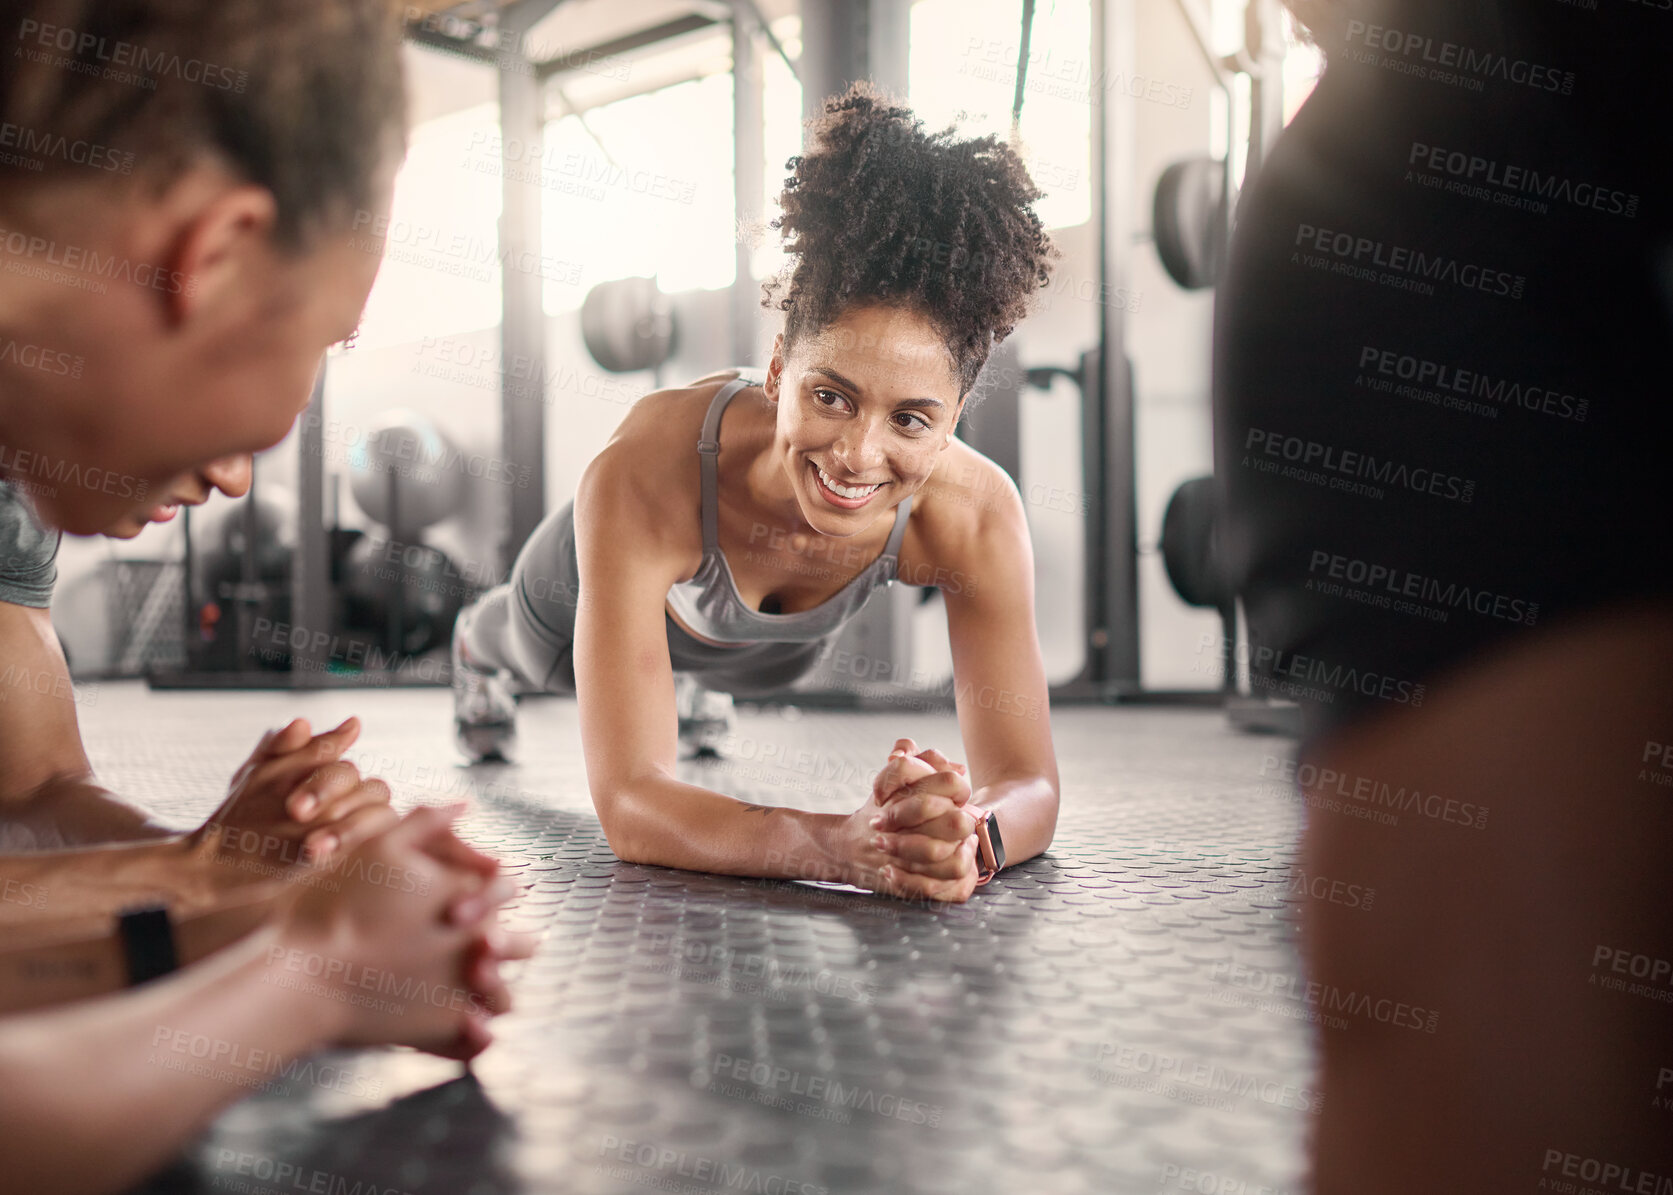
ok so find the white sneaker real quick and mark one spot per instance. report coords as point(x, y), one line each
point(484, 708)
point(707, 717)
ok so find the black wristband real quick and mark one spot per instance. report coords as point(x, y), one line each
point(147, 943)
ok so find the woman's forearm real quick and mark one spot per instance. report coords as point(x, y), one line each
point(669, 823)
point(1027, 811)
point(71, 1079)
point(44, 887)
point(70, 811)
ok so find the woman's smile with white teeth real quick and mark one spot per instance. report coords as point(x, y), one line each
point(846, 491)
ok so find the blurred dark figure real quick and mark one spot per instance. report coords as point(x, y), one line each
point(1442, 410)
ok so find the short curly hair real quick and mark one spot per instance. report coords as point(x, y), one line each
point(304, 97)
point(876, 210)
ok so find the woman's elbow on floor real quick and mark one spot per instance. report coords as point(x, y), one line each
point(1049, 825)
point(621, 828)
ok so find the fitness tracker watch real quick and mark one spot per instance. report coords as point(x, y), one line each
point(990, 844)
point(147, 943)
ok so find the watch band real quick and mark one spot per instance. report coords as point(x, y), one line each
point(990, 844)
point(147, 943)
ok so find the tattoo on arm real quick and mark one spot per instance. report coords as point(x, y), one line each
point(763, 810)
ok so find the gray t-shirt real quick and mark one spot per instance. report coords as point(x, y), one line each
point(28, 553)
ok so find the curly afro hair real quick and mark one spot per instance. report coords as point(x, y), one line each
point(879, 211)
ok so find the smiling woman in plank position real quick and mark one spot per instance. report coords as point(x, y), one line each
point(731, 550)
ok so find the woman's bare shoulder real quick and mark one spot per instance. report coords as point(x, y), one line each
point(649, 464)
point(967, 509)
point(659, 433)
point(966, 491)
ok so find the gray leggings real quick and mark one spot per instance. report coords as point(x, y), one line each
point(527, 626)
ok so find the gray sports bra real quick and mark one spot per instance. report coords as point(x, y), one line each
point(709, 604)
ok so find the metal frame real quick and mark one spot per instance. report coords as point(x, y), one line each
point(749, 151)
point(310, 580)
point(1107, 433)
point(522, 306)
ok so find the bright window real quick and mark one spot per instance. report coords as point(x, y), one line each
point(651, 196)
point(963, 68)
point(440, 272)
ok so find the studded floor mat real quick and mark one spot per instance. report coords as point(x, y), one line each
point(1113, 1017)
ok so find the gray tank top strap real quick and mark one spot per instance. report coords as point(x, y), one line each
point(897, 533)
point(708, 448)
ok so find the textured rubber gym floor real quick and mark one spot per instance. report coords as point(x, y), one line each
point(1122, 1015)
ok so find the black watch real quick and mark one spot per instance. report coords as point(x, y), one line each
point(147, 943)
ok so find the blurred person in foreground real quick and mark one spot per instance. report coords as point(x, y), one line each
point(1441, 430)
point(180, 240)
